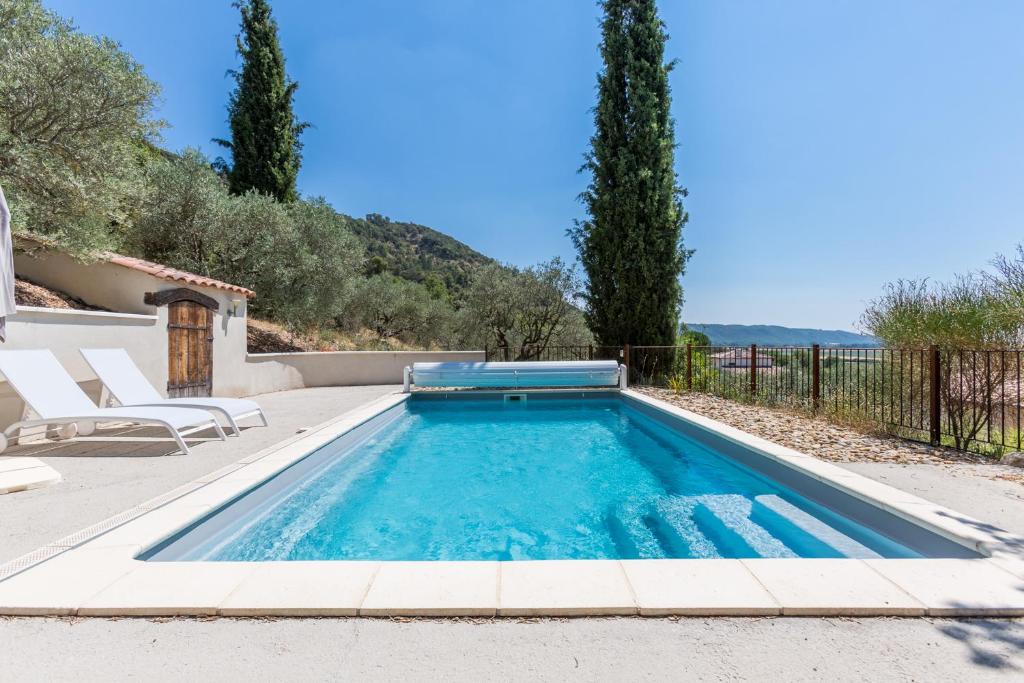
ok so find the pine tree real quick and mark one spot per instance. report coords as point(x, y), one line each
point(631, 243)
point(265, 147)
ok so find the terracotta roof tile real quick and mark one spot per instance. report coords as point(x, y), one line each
point(154, 269)
point(167, 273)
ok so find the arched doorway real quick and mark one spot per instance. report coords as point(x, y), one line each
point(189, 341)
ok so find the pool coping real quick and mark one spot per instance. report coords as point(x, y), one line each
point(94, 572)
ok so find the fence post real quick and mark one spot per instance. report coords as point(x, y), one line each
point(935, 402)
point(591, 353)
point(753, 369)
point(689, 367)
point(815, 375)
point(625, 356)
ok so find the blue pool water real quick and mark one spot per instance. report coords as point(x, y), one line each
point(549, 479)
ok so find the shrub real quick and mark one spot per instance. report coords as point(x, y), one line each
point(75, 128)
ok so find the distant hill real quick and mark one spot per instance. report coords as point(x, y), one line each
point(776, 335)
point(413, 251)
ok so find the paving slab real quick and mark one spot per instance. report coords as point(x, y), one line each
point(831, 587)
point(433, 589)
point(957, 587)
point(317, 589)
point(565, 588)
point(697, 588)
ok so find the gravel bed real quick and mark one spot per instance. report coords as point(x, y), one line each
point(821, 438)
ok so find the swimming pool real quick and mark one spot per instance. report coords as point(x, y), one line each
point(543, 476)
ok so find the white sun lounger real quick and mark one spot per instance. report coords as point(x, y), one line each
point(519, 375)
point(51, 393)
point(126, 383)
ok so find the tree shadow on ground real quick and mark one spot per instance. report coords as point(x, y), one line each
point(981, 636)
point(117, 442)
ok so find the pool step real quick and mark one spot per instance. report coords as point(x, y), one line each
point(671, 541)
point(818, 538)
point(632, 541)
point(725, 520)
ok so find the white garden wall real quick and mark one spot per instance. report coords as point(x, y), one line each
point(142, 330)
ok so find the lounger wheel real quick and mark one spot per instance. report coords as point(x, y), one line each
point(3, 442)
point(86, 428)
point(68, 431)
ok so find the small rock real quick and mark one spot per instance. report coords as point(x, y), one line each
point(1015, 458)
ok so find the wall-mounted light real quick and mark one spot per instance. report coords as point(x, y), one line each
point(236, 306)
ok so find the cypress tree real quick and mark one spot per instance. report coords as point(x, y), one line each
point(631, 243)
point(264, 142)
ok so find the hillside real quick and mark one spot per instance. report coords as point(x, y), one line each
point(776, 335)
point(413, 251)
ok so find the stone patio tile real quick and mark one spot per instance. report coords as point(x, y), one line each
point(957, 587)
point(214, 494)
point(59, 585)
point(433, 589)
point(301, 589)
point(1011, 563)
point(169, 589)
point(151, 527)
point(831, 587)
point(985, 537)
point(21, 473)
point(565, 587)
point(697, 587)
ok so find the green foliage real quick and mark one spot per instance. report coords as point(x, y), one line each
point(75, 128)
point(694, 338)
point(965, 313)
point(376, 265)
point(398, 309)
point(631, 244)
point(676, 383)
point(414, 252)
point(521, 312)
point(265, 148)
point(300, 258)
point(972, 312)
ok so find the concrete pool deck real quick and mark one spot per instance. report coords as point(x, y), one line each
point(94, 573)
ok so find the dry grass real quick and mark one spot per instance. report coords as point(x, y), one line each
point(30, 294)
point(269, 337)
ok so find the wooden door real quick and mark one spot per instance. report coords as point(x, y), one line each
point(189, 349)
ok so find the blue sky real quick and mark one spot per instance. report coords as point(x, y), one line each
point(828, 147)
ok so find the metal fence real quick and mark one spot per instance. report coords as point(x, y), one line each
point(965, 398)
point(969, 399)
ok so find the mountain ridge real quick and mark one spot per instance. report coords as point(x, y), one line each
point(779, 335)
point(413, 251)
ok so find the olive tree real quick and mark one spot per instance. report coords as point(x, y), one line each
point(75, 126)
point(521, 312)
point(300, 258)
point(967, 320)
point(397, 309)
